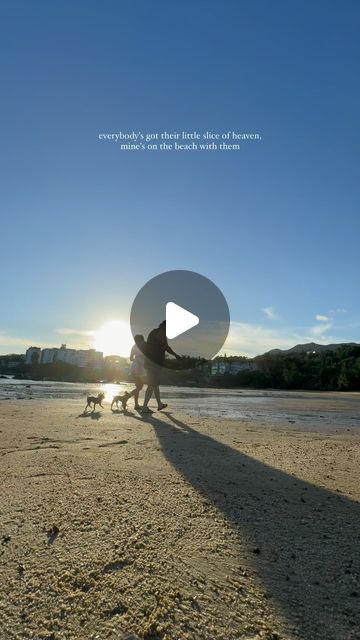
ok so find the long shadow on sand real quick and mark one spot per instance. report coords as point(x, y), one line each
point(94, 415)
point(303, 540)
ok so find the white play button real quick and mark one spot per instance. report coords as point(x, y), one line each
point(195, 311)
point(178, 320)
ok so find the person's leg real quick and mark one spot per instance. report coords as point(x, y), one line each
point(148, 394)
point(161, 405)
point(149, 388)
point(139, 386)
point(132, 393)
point(157, 394)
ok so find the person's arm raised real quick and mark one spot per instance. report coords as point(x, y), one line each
point(171, 351)
point(167, 347)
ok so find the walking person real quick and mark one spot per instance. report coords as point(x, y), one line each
point(156, 347)
point(137, 370)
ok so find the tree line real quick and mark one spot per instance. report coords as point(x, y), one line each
point(323, 371)
point(337, 370)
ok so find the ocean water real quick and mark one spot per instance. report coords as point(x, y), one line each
point(296, 409)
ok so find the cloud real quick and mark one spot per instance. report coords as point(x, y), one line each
point(77, 338)
point(321, 318)
point(338, 310)
point(270, 313)
point(254, 339)
point(65, 331)
point(17, 344)
point(5, 339)
point(320, 329)
point(251, 339)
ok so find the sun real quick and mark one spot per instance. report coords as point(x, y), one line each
point(114, 339)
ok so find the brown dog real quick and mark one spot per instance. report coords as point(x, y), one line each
point(95, 400)
point(123, 399)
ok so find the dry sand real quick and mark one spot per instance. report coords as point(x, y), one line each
point(173, 527)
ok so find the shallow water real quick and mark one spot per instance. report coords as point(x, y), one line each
point(297, 409)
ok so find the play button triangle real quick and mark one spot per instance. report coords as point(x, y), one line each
point(178, 320)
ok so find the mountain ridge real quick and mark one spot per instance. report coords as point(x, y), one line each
point(309, 347)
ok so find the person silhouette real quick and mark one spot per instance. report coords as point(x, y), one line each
point(137, 370)
point(156, 348)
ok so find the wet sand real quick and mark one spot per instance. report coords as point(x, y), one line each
point(176, 527)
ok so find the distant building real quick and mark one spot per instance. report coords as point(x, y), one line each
point(232, 367)
point(33, 355)
point(78, 357)
point(66, 355)
point(48, 356)
point(11, 361)
point(95, 358)
point(81, 358)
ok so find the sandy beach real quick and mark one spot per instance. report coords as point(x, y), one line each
point(174, 527)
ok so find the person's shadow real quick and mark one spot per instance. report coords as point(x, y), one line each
point(94, 415)
point(303, 539)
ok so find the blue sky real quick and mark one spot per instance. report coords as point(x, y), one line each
point(275, 225)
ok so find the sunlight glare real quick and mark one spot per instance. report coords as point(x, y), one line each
point(114, 339)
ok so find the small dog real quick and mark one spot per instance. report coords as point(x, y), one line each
point(95, 400)
point(123, 399)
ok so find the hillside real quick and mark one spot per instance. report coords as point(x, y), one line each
point(310, 347)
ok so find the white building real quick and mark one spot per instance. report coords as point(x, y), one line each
point(67, 355)
point(48, 356)
point(78, 357)
point(82, 358)
point(95, 358)
point(33, 355)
